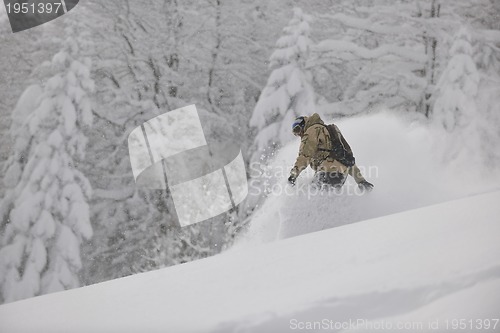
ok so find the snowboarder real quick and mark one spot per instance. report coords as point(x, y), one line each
point(324, 148)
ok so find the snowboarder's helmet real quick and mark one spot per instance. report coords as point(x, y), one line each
point(298, 125)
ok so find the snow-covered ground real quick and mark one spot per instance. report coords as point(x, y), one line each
point(419, 267)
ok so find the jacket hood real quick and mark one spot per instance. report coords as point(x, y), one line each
point(313, 119)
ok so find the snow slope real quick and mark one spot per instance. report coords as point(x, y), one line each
point(403, 155)
point(433, 263)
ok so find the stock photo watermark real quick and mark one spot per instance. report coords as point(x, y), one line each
point(438, 325)
point(271, 181)
point(170, 152)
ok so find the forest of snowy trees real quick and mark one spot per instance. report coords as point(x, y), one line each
point(72, 90)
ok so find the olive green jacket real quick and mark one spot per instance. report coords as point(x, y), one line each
point(315, 140)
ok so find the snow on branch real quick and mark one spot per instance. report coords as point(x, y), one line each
point(357, 51)
point(369, 25)
point(489, 36)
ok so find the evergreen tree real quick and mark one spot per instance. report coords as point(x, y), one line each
point(47, 214)
point(455, 107)
point(288, 92)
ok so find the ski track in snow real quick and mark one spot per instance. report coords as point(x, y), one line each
point(373, 306)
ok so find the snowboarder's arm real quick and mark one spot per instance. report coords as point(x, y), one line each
point(356, 174)
point(363, 184)
point(307, 149)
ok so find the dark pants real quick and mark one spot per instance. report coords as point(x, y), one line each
point(334, 179)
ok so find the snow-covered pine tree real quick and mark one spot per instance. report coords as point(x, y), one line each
point(485, 32)
point(14, 166)
point(48, 214)
point(288, 92)
point(455, 108)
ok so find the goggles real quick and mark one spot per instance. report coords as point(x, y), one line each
point(298, 126)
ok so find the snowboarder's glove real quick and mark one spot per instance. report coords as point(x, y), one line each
point(291, 180)
point(365, 186)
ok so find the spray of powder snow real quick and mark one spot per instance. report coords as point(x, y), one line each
point(402, 156)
